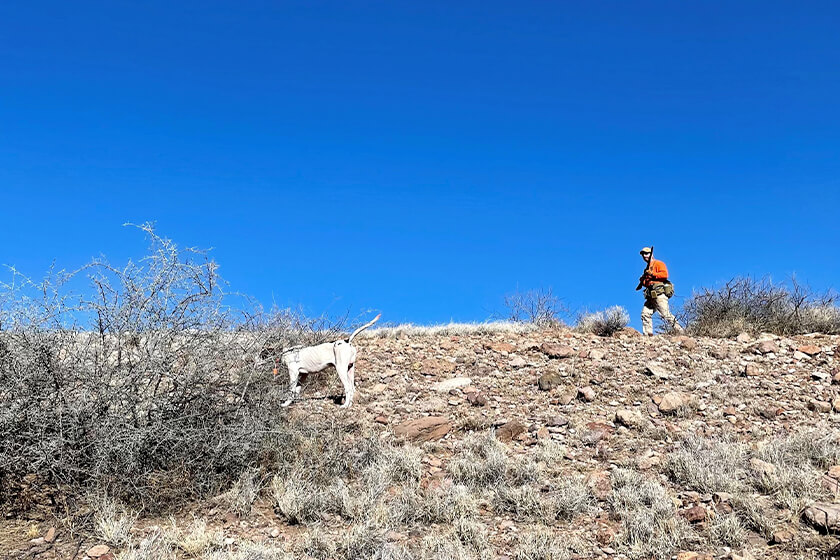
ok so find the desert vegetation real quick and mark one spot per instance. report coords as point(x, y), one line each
point(138, 411)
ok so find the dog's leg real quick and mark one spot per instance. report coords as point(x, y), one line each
point(294, 373)
point(343, 359)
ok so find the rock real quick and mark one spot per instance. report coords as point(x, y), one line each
point(629, 418)
point(835, 379)
point(98, 550)
point(500, 347)
point(517, 362)
point(424, 429)
point(557, 421)
point(694, 514)
point(510, 430)
point(797, 355)
point(656, 370)
point(597, 355)
point(830, 484)
point(809, 349)
point(835, 404)
point(549, 381)
point(834, 472)
point(743, 338)
point(766, 347)
point(557, 351)
point(450, 384)
point(751, 370)
point(587, 393)
point(730, 411)
point(274, 533)
point(436, 366)
point(595, 432)
point(781, 536)
point(687, 342)
point(50, 536)
point(819, 376)
point(693, 556)
point(770, 412)
point(819, 406)
point(477, 399)
point(672, 402)
point(825, 517)
point(381, 419)
point(567, 397)
point(599, 483)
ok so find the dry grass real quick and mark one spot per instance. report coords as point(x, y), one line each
point(709, 465)
point(603, 323)
point(541, 545)
point(649, 524)
point(451, 329)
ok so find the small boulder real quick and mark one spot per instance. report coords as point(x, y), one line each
point(751, 370)
point(825, 517)
point(656, 370)
point(557, 351)
point(517, 362)
point(98, 551)
point(506, 432)
point(819, 406)
point(810, 349)
point(477, 399)
point(424, 429)
point(766, 347)
point(673, 401)
point(449, 384)
point(587, 393)
point(629, 418)
point(549, 381)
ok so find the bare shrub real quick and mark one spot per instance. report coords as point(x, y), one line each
point(755, 306)
point(650, 526)
point(603, 323)
point(538, 307)
point(141, 388)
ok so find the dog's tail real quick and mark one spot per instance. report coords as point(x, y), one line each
point(363, 327)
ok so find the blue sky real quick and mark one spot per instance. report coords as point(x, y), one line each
point(426, 158)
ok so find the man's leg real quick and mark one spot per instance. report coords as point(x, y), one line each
point(665, 312)
point(647, 317)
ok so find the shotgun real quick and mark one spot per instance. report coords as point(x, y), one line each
point(647, 268)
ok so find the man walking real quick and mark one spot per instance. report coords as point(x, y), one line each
point(657, 291)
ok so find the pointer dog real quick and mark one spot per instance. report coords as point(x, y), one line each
point(311, 359)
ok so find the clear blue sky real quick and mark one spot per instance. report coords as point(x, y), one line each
point(426, 158)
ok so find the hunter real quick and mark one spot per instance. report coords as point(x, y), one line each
point(658, 289)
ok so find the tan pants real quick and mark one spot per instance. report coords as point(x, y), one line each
point(660, 303)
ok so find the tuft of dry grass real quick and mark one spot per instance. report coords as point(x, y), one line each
point(541, 545)
point(603, 323)
point(112, 522)
point(708, 465)
point(649, 524)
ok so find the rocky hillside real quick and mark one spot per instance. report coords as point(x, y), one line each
point(561, 445)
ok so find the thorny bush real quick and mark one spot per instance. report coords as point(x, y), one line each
point(755, 306)
point(147, 387)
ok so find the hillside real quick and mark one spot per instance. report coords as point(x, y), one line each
point(527, 444)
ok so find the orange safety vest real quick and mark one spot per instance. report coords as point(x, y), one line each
point(656, 273)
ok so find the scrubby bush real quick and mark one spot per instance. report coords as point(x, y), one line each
point(603, 323)
point(754, 306)
point(538, 307)
point(146, 387)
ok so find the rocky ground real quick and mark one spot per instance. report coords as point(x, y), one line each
point(613, 409)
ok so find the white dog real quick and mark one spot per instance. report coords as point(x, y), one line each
point(311, 359)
